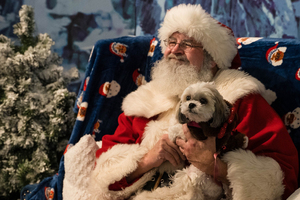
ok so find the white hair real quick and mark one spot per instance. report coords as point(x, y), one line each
point(174, 76)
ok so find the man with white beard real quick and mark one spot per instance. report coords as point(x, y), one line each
point(175, 73)
point(196, 48)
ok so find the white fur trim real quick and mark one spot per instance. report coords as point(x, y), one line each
point(147, 102)
point(188, 183)
point(193, 21)
point(79, 162)
point(263, 179)
point(113, 165)
point(234, 84)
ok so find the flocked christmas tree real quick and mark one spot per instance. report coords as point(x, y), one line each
point(36, 116)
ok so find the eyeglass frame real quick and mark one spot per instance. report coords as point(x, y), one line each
point(184, 48)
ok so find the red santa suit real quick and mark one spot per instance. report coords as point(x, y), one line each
point(267, 169)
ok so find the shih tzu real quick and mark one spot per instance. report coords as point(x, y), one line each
point(207, 114)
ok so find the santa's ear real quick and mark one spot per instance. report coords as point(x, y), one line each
point(181, 117)
point(221, 113)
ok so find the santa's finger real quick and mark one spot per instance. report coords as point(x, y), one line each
point(172, 148)
point(186, 131)
point(182, 151)
point(175, 147)
point(174, 151)
point(172, 158)
point(181, 155)
point(180, 142)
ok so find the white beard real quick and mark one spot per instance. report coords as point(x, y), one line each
point(172, 76)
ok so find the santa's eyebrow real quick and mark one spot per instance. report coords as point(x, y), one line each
point(172, 38)
point(190, 40)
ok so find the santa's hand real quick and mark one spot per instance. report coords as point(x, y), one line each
point(198, 153)
point(163, 150)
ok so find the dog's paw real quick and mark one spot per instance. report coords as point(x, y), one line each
point(245, 143)
point(176, 131)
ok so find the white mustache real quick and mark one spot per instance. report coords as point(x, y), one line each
point(181, 58)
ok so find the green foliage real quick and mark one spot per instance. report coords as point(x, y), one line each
point(25, 29)
point(36, 116)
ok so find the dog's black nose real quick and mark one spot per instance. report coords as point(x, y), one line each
point(192, 105)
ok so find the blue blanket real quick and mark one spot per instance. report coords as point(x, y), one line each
point(118, 66)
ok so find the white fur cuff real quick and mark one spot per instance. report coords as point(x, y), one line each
point(253, 177)
point(79, 162)
point(112, 166)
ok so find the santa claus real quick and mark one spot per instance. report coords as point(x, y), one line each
point(139, 159)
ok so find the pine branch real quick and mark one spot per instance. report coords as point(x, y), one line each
point(36, 116)
point(25, 29)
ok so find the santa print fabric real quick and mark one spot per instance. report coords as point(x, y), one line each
point(264, 128)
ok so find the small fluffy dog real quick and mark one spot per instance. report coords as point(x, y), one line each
point(207, 114)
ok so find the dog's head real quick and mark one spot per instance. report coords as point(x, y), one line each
point(201, 102)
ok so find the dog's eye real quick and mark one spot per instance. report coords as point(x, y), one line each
point(188, 98)
point(203, 101)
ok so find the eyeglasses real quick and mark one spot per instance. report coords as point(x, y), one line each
point(185, 46)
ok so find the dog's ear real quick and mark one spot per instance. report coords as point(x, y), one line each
point(181, 117)
point(221, 113)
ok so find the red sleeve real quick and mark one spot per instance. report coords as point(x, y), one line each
point(129, 131)
point(268, 136)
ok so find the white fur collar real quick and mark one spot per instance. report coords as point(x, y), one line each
point(147, 101)
point(233, 85)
